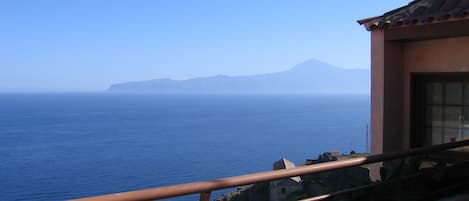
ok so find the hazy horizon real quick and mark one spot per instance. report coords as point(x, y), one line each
point(85, 46)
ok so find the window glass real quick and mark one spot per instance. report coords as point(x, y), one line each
point(446, 112)
point(435, 136)
point(465, 134)
point(434, 116)
point(466, 93)
point(453, 93)
point(451, 135)
point(466, 117)
point(452, 116)
point(434, 93)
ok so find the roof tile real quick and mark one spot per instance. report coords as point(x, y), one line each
point(419, 11)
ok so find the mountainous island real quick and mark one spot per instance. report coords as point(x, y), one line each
point(311, 76)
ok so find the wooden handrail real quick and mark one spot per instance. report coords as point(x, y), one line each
point(205, 187)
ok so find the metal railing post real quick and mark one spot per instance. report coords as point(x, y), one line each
point(205, 196)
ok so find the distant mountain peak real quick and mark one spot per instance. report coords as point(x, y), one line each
point(312, 64)
point(310, 76)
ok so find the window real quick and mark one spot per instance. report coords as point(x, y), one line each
point(440, 108)
point(446, 112)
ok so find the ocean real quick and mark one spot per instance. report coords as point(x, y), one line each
point(63, 146)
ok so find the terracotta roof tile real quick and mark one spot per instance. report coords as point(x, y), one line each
point(419, 11)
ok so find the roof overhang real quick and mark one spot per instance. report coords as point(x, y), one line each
point(419, 12)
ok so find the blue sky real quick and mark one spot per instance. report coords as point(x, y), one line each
point(86, 45)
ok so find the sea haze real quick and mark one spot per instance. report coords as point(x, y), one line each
point(62, 146)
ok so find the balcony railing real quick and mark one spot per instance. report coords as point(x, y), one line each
point(204, 188)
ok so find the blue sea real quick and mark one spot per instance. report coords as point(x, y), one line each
point(63, 146)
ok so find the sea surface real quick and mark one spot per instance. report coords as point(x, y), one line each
point(63, 146)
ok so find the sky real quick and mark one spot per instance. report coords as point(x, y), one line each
point(87, 45)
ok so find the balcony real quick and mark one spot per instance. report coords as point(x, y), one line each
point(440, 175)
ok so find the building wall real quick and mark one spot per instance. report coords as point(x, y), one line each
point(377, 98)
point(377, 86)
point(386, 97)
point(393, 92)
point(386, 94)
point(441, 55)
